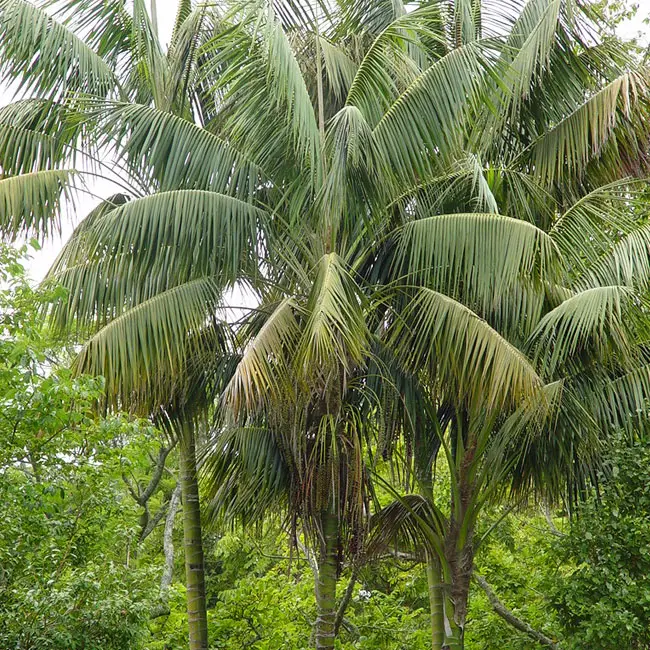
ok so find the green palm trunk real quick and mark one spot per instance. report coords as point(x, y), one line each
point(436, 606)
point(326, 586)
point(425, 450)
point(194, 565)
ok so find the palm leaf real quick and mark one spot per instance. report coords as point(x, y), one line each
point(36, 135)
point(426, 123)
point(436, 332)
point(31, 203)
point(592, 320)
point(143, 354)
point(184, 233)
point(486, 255)
point(46, 57)
point(173, 151)
point(589, 228)
point(262, 372)
point(336, 330)
point(570, 145)
point(389, 66)
point(243, 474)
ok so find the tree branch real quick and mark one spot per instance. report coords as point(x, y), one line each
point(510, 617)
point(162, 608)
point(345, 601)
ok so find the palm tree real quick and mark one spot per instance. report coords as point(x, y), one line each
point(354, 162)
point(67, 63)
point(560, 158)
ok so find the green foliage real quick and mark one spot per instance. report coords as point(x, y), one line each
point(519, 562)
point(66, 522)
point(603, 596)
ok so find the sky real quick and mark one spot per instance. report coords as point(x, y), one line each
point(41, 260)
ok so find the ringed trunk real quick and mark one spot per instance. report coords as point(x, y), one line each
point(436, 605)
point(326, 585)
point(193, 543)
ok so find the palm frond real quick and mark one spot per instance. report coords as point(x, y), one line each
point(592, 320)
point(36, 135)
point(618, 110)
point(623, 402)
point(173, 151)
point(588, 228)
point(181, 233)
point(336, 331)
point(243, 475)
point(626, 263)
point(410, 523)
point(426, 123)
point(144, 353)
point(30, 203)
point(42, 55)
point(486, 255)
point(461, 349)
point(262, 372)
point(390, 65)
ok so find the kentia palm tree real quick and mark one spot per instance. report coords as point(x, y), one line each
point(354, 162)
point(64, 58)
point(559, 156)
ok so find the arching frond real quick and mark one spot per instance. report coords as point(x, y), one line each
point(625, 263)
point(458, 347)
point(486, 255)
point(389, 64)
point(591, 320)
point(568, 147)
point(255, 64)
point(243, 474)
point(143, 354)
point(588, 228)
point(106, 26)
point(411, 523)
point(183, 233)
point(528, 47)
point(30, 203)
point(174, 151)
point(55, 59)
point(336, 331)
point(35, 135)
point(427, 121)
point(340, 69)
point(623, 403)
point(262, 371)
point(355, 161)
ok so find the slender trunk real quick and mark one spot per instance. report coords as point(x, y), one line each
point(326, 585)
point(426, 446)
point(194, 567)
point(436, 605)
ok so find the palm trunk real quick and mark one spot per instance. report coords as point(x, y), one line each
point(436, 605)
point(426, 445)
point(193, 544)
point(326, 586)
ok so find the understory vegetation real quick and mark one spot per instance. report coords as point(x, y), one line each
point(349, 345)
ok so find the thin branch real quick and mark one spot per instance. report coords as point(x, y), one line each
point(509, 617)
point(550, 522)
point(345, 601)
point(162, 608)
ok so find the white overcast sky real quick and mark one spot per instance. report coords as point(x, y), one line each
point(41, 260)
